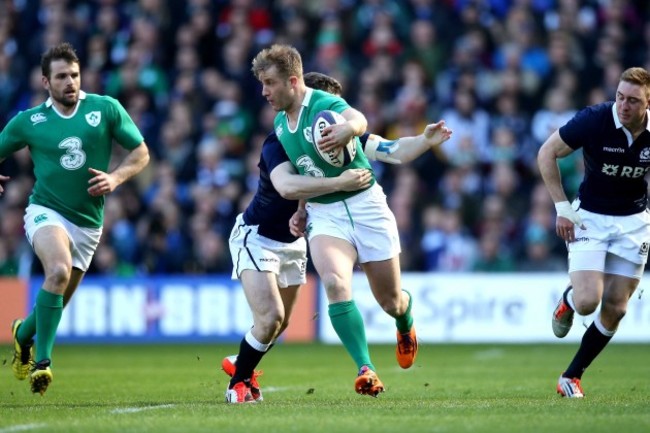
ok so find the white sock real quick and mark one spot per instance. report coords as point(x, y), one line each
point(599, 325)
point(256, 344)
point(569, 299)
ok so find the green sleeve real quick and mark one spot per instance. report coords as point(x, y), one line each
point(124, 130)
point(326, 101)
point(10, 138)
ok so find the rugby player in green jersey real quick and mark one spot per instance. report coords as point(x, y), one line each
point(70, 137)
point(343, 227)
point(269, 257)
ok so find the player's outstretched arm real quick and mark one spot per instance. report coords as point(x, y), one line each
point(103, 183)
point(293, 186)
point(406, 149)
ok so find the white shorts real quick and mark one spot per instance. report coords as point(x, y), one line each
point(364, 220)
point(611, 244)
point(250, 250)
point(84, 240)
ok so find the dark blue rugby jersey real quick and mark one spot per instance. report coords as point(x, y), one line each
point(614, 181)
point(268, 209)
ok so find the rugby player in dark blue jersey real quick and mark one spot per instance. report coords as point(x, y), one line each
point(270, 261)
point(607, 227)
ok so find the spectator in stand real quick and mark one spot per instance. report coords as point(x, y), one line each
point(538, 246)
point(14, 248)
point(432, 242)
point(449, 246)
point(522, 37)
point(425, 48)
point(458, 189)
point(556, 112)
point(10, 71)
point(492, 255)
point(108, 262)
point(471, 123)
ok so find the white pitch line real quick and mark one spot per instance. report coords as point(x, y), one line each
point(139, 409)
point(276, 388)
point(484, 355)
point(21, 427)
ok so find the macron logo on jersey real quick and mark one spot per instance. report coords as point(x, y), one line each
point(37, 118)
point(614, 149)
point(278, 131)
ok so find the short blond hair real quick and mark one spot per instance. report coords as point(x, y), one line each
point(638, 76)
point(285, 58)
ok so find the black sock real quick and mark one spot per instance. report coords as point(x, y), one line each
point(247, 360)
point(593, 342)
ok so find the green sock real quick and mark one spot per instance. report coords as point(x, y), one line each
point(27, 329)
point(348, 324)
point(49, 308)
point(405, 321)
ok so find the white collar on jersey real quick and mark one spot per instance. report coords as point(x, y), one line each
point(82, 95)
point(307, 98)
point(48, 103)
point(618, 123)
point(303, 104)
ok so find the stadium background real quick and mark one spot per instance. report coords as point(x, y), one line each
point(502, 73)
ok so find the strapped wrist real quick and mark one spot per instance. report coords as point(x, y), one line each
point(562, 206)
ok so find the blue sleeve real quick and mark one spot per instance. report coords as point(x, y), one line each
point(363, 139)
point(273, 153)
point(582, 126)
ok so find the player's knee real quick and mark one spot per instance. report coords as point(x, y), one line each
point(614, 312)
point(271, 324)
point(585, 307)
point(58, 276)
point(282, 328)
point(335, 288)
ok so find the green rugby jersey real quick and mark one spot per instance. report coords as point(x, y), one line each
point(300, 149)
point(64, 147)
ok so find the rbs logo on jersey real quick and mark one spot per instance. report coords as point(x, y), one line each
point(625, 171)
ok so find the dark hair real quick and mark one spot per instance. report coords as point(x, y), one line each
point(319, 81)
point(62, 51)
point(285, 58)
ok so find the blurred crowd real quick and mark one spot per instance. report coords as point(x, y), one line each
point(503, 74)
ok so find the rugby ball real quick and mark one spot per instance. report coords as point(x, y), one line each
point(339, 157)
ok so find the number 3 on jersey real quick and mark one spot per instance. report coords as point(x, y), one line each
point(74, 157)
point(309, 166)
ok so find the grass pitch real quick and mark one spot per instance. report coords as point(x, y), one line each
point(309, 388)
